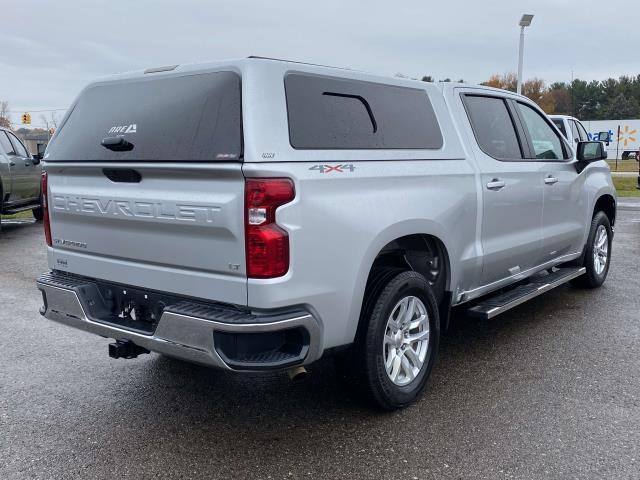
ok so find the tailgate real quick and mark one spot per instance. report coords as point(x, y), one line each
point(146, 187)
point(178, 229)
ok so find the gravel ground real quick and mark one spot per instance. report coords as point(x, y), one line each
point(548, 390)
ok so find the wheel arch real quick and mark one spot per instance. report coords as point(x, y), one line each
point(606, 203)
point(393, 239)
point(398, 251)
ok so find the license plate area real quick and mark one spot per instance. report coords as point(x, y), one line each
point(125, 307)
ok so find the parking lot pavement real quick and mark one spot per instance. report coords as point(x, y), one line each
point(548, 390)
point(629, 203)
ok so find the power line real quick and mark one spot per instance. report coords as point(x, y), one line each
point(39, 111)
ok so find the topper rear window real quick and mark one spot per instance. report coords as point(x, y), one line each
point(178, 118)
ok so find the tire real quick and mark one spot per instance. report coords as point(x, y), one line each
point(597, 251)
point(38, 214)
point(391, 369)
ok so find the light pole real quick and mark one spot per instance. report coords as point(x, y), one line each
point(525, 21)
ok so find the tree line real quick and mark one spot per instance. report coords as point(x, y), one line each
point(595, 100)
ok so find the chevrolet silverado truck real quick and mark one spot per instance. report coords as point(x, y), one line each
point(20, 175)
point(259, 214)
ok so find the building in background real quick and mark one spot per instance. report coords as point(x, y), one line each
point(35, 140)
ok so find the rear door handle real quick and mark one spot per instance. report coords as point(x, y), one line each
point(27, 164)
point(550, 180)
point(495, 184)
point(12, 164)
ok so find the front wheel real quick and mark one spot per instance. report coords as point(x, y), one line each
point(396, 352)
point(597, 255)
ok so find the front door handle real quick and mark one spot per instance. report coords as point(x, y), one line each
point(550, 180)
point(495, 184)
point(27, 164)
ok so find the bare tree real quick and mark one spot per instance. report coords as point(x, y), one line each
point(51, 122)
point(5, 115)
point(54, 119)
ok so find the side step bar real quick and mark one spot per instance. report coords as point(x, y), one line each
point(539, 284)
point(14, 210)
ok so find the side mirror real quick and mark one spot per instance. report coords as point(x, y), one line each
point(35, 159)
point(604, 137)
point(591, 152)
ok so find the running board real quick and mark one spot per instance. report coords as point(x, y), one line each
point(538, 285)
point(14, 210)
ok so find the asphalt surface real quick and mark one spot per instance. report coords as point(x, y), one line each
point(548, 390)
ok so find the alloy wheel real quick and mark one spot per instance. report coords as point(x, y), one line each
point(406, 340)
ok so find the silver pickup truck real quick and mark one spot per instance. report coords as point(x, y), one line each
point(259, 214)
point(20, 177)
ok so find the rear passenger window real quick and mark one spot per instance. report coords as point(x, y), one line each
point(334, 113)
point(493, 127)
point(546, 143)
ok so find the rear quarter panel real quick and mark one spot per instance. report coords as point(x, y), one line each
point(340, 221)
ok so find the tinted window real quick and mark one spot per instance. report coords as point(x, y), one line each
point(493, 127)
point(193, 117)
point(17, 145)
point(333, 113)
point(558, 122)
point(6, 144)
point(546, 143)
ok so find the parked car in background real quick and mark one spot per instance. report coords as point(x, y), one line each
point(259, 214)
point(20, 177)
point(575, 132)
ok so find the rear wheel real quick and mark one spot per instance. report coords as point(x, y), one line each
point(597, 255)
point(395, 352)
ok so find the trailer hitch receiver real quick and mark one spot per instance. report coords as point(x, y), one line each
point(125, 349)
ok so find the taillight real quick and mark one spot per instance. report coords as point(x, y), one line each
point(267, 245)
point(45, 208)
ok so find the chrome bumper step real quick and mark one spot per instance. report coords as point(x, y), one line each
point(502, 302)
point(186, 330)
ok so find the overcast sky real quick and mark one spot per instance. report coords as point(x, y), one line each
point(51, 49)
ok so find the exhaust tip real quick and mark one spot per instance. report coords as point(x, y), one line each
point(297, 374)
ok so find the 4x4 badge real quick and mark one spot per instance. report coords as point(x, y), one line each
point(333, 168)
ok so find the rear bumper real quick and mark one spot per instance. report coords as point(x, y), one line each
point(185, 330)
